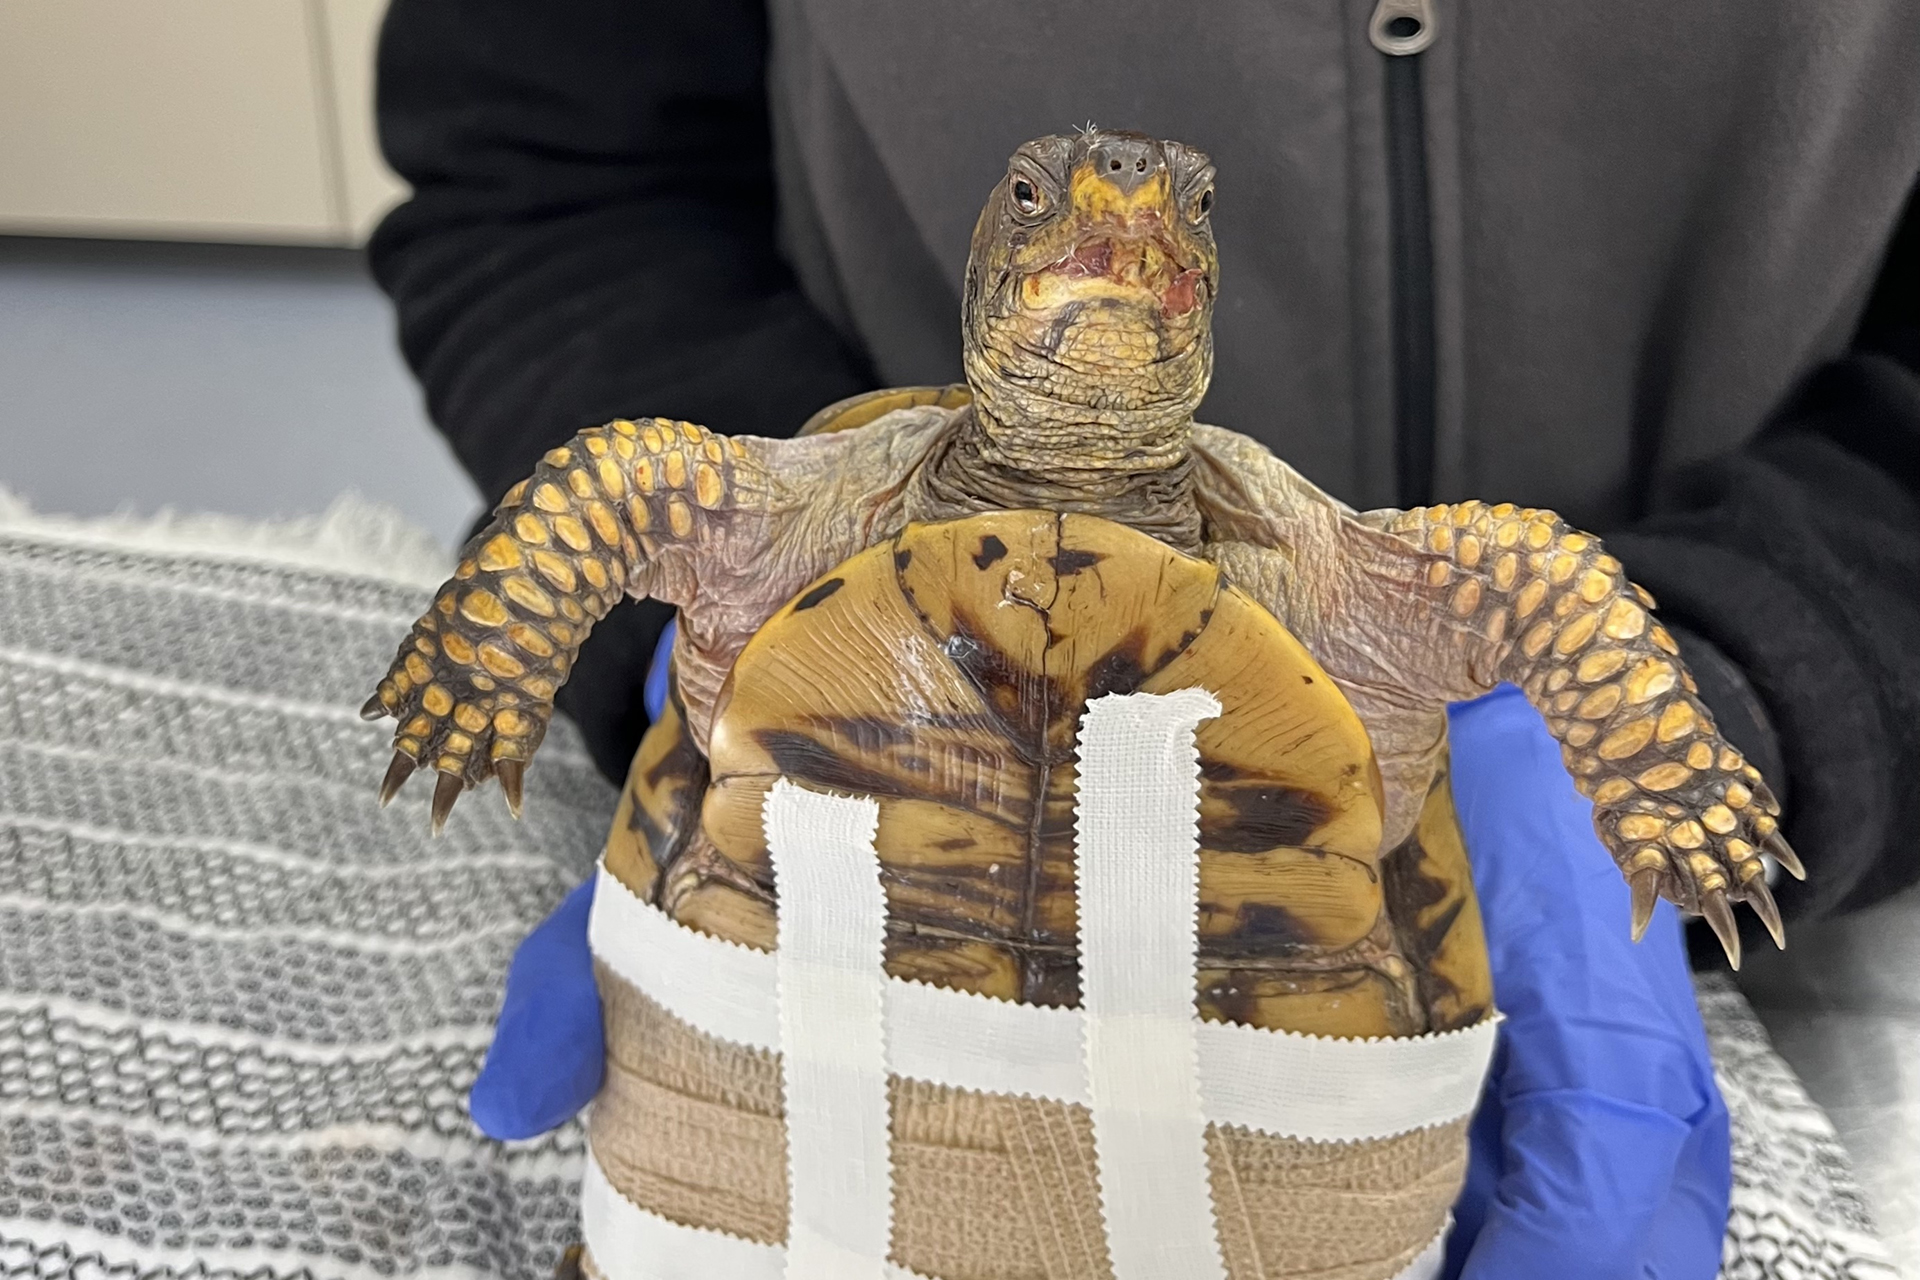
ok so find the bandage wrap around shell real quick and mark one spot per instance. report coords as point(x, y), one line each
point(1028, 919)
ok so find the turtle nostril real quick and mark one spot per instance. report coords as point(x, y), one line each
point(1125, 162)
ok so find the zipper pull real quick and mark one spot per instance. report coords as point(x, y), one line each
point(1401, 27)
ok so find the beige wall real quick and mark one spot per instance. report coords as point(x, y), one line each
point(230, 120)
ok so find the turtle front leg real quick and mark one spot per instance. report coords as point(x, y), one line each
point(617, 509)
point(1545, 607)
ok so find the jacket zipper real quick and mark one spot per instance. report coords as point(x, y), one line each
point(1401, 29)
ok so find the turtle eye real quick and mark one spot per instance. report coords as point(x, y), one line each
point(1026, 197)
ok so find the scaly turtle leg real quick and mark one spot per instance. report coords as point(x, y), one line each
point(617, 509)
point(1543, 605)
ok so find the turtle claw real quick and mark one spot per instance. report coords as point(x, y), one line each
point(1713, 905)
point(1646, 893)
point(398, 771)
point(1776, 844)
point(445, 792)
point(458, 716)
point(1760, 898)
point(513, 777)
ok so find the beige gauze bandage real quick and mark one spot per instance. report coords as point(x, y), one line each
point(801, 1115)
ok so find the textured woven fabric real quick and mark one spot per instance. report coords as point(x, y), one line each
point(1797, 1207)
point(240, 1006)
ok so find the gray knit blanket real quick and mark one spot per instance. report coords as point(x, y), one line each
point(240, 1006)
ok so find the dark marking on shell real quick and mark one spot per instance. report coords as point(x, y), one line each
point(951, 885)
point(1050, 981)
point(803, 759)
point(666, 838)
point(1230, 998)
point(905, 949)
point(1409, 892)
point(901, 559)
point(1263, 813)
point(1022, 702)
point(1267, 929)
point(1122, 669)
point(1071, 560)
point(682, 761)
point(818, 594)
point(991, 552)
point(865, 733)
point(953, 844)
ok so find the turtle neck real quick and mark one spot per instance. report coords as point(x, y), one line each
point(970, 471)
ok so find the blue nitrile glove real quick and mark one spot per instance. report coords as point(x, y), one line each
point(1601, 1146)
point(549, 1049)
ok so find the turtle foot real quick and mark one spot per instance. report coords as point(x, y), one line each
point(1701, 850)
point(458, 722)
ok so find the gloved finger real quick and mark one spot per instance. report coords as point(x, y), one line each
point(654, 695)
point(1586, 1007)
point(1603, 1084)
point(1585, 1181)
point(549, 1050)
point(1690, 1226)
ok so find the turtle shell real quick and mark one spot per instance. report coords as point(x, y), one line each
point(944, 673)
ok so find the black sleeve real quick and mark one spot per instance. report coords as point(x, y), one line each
point(1793, 568)
point(591, 236)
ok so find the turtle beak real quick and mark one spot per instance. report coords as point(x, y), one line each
point(1122, 248)
point(1121, 241)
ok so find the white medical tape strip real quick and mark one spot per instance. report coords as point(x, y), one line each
point(630, 1243)
point(720, 987)
point(1331, 1090)
point(829, 956)
point(966, 1041)
point(1137, 872)
point(1280, 1082)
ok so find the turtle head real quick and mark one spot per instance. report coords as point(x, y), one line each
point(1089, 296)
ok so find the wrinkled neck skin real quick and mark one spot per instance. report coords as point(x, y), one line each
point(1081, 412)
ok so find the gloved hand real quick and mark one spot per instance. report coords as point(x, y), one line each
point(549, 1049)
point(1600, 1148)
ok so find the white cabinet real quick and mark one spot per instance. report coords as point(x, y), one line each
point(242, 120)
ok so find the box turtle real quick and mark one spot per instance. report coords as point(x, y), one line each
point(1086, 336)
